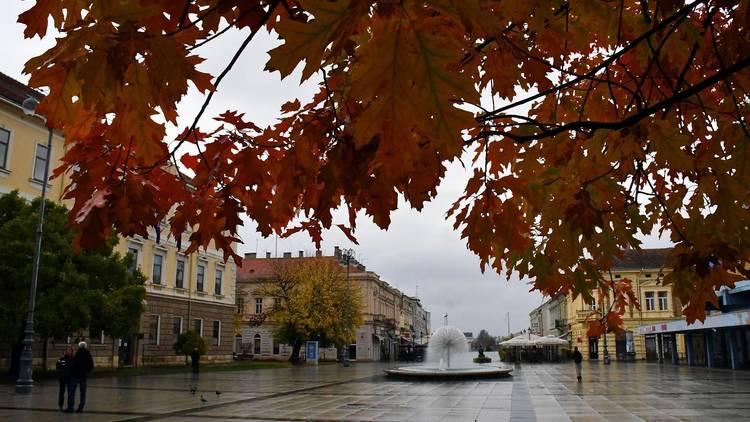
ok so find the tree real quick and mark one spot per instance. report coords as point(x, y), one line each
point(189, 341)
point(617, 119)
point(90, 290)
point(485, 340)
point(314, 303)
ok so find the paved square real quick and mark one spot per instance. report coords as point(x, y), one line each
point(541, 392)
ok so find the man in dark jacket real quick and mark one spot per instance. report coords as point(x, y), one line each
point(195, 358)
point(79, 371)
point(63, 374)
point(577, 359)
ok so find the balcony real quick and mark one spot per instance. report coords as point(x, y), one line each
point(561, 324)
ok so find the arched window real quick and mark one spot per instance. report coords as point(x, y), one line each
point(256, 344)
point(238, 343)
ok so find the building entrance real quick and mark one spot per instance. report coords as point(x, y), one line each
point(593, 347)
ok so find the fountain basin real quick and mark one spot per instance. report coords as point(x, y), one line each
point(433, 372)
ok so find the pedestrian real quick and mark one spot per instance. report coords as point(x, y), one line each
point(577, 359)
point(195, 358)
point(63, 374)
point(82, 365)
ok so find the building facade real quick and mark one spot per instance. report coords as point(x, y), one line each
point(550, 318)
point(390, 318)
point(195, 291)
point(722, 340)
point(645, 268)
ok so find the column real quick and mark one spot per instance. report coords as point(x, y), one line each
point(660, 347)
point(709, 340)
point(734, 357)
point(689, 349)
point(675, 358)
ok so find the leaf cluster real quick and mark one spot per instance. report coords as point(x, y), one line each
point(92, 289)
point(619, 118)
point(314, 302)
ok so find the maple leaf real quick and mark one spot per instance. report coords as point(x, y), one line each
point(333, 23)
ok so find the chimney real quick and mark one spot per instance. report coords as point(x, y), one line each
point(268, 255)
point(301, 254)
point(250, 255)
point(318, 253)
point(287, 254)
point(337, 252)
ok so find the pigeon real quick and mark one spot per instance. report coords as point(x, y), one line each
point(193, 390)
point(218, 393)
point(203, 400)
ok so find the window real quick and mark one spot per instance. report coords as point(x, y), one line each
point(179, 277)
point(663, 305)
point(217, 284)
point(216, 333)
point(648, 275)
point(134, 264)
point(240, 305)
point(156, 271)
point(256, 344)
point(4, 147)
point(275, 347)
point(259, 305)
point(40, 162)
point(592, 305)
point(198, 326)
point(201, 274)
point(153, 330)
point(177, 327)
point(649, 301)
point(276, 303)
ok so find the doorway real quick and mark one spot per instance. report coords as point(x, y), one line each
point(593, 347)
point(125, 352)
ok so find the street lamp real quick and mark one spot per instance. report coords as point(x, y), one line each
point(24, 383)
point(347, 255)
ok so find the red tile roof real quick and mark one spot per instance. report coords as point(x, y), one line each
point(260, 268)
point(15, 91)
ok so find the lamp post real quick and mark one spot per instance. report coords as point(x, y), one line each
point(25, 382)
point(347, 255)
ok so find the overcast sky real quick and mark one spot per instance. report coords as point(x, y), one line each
point(419, 254)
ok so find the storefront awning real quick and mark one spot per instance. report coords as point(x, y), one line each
point(729, 319)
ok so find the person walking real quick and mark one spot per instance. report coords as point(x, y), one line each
point(195, 359)
point(577, 359)
point(63, 374)
point(81, 366)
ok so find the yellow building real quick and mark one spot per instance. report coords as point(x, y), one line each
point(195, 291)
point(646, 268)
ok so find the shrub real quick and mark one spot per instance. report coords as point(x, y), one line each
point(188, 341)
point(482, 359)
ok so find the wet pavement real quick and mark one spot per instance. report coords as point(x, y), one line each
point(539, 392)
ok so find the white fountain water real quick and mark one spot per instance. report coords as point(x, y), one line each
point(448, 357)
point(447, 341)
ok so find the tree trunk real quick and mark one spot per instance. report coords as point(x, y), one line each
point(294, 358)
point(45, 351)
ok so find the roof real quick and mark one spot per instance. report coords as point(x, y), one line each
point(633, 259)
point(15, 91)
point(262, 268)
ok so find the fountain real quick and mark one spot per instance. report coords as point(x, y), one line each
point(448, 347)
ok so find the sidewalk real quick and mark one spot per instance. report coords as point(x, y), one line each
point(619, 392)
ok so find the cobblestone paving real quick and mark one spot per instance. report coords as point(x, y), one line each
point(543, 393)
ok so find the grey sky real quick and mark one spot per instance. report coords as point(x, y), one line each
point(420, 248)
